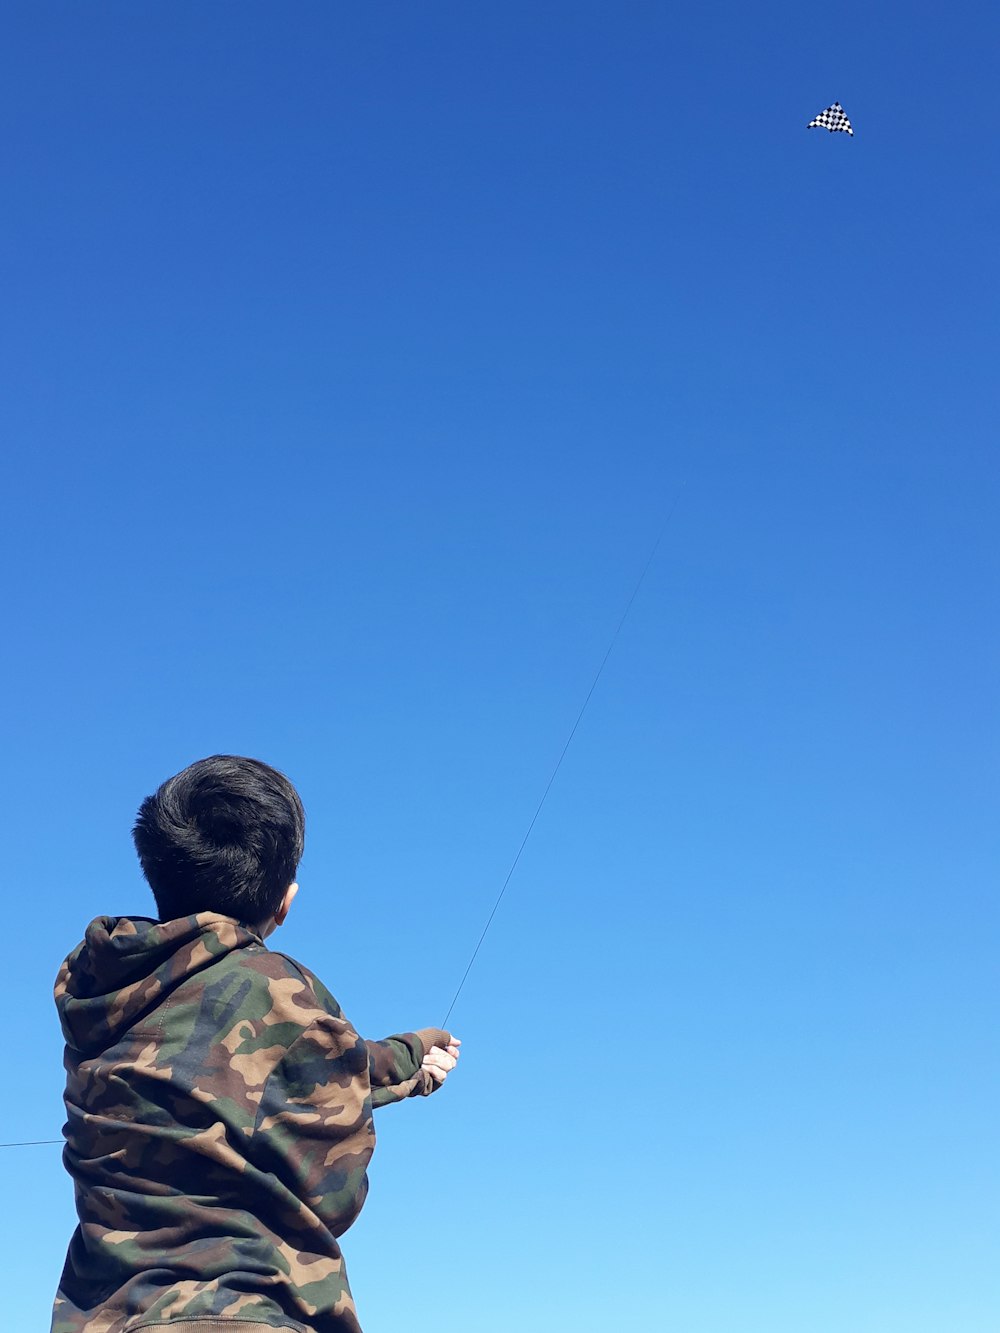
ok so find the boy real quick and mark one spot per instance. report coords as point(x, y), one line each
point(219, 1104)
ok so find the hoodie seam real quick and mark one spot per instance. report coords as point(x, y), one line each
point(163, 1012)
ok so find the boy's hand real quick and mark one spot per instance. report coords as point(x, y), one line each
point(441, 1060)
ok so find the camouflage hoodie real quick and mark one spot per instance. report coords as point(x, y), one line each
point(219, 1130)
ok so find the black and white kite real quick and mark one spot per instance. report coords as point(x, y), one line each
point(833, 118)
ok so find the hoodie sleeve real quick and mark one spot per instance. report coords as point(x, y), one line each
point(394, 1065)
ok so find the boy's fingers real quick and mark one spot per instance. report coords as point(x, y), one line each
point(441, 1059)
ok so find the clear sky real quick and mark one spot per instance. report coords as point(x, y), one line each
point(352, 358)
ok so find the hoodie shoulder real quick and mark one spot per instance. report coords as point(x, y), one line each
point(281, 967)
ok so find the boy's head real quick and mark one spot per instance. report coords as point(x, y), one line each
point(225, 835)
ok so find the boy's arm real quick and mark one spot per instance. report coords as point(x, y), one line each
point(393, 1064)
point(396, 1065)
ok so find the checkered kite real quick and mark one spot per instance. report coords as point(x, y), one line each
point(833, 118)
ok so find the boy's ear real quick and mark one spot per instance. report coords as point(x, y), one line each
point(285, 904)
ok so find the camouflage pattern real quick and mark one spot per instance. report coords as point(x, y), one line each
point(219, 1131)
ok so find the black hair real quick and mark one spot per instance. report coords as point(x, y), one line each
point(224, 835)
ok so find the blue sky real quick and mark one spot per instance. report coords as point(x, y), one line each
point(352, 358)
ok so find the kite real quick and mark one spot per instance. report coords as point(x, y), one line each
point(833, 118)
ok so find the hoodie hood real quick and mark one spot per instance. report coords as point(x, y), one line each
point(126, 965)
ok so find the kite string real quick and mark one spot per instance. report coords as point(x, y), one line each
point(562, 756)
point(31, 1143)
